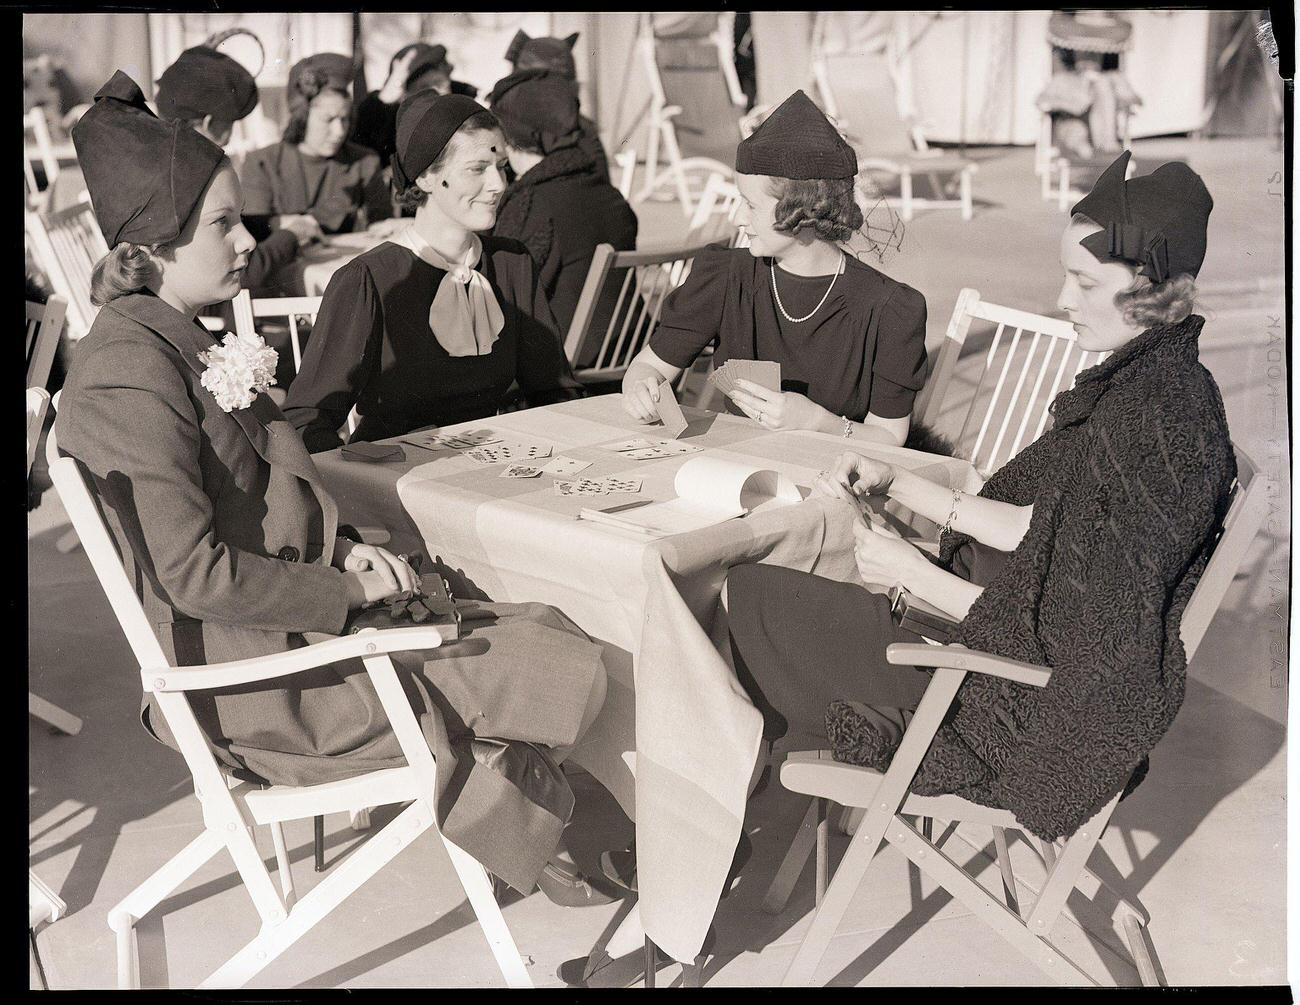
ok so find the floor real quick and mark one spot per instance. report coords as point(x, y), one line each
point(1201, 843)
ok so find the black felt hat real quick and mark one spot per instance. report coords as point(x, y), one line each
point(426, 122)
point(308, 77)
point(202, 82)
point(144, 174)
point(1156, 222)
point(538, 108)
point(428, 57)
point(554, 54)
point(797, 141)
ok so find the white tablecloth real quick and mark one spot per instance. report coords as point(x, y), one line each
point(677, 739)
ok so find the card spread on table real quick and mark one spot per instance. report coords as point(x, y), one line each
point(597, 486)
point(521, 471)
point(456, 441)
point(670, 413)
point(373, 453)
point(763, 372)
point(637, 443)
point(662, 448)
point(498, 452)
point(563, 467)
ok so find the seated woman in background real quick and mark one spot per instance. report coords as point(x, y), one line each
point(413, 68)
point(434, 325)
point(210, 92)
point(1080, 554)
point(559, 206)
point(314, 176)
point(556, 55)
point(225, 526)
point(850, 340)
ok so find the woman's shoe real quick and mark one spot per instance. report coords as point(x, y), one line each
point(600, 970)
point(855, 739)
point(566, 886)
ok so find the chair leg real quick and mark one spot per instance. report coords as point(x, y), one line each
point(1137, 944)
point(778, 894)
point(48, 712)
point(282, 863)
point(967, 204)
point(128, 959)
point(650, 961)
point(905, 188)
point(478, 889)
point(823, 846)
point(318, 842)
point(1049, 854)
point(1004, 866)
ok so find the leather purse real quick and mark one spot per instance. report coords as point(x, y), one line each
point(431, 605)
point(916, 616)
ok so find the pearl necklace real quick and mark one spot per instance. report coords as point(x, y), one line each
point(781, 307)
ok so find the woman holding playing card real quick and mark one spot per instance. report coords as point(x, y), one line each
point(433, 326)
point(850, 341)
point(232, 540)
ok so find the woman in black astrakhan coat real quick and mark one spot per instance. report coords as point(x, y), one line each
point(850, 340)
point(1080, 554)
point(230, 535)
point(433, 326)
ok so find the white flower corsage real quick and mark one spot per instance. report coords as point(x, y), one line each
point(238, 370)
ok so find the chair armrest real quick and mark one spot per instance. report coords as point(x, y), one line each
point(957, 657)
point(215, 675)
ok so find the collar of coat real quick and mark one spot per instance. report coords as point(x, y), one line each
point(517, 202)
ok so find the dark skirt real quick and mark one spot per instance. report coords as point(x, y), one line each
point(800, 641)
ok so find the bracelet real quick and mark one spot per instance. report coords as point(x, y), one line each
point(848, 426)
point(952, 515)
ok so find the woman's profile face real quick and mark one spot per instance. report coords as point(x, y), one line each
point(1088, 294)
point(475, 175)
point(756, 217)
point(328, 117)
point(205, 263)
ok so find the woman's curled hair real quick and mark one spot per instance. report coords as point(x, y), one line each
point(125, 269)
point(413, 197)
point(1146, 304)
point(826, 205)
point(310, 83)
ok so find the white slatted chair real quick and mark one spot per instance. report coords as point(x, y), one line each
point(44, 327)
point(619, 307)
point(866, 107)
point(231, 808)
point(1030, 359)
point(38, 402)
point(1054, 170)
point(714, 218)
point(626, 161)
point(887, 802)
point(41, 149)
point(67, 245)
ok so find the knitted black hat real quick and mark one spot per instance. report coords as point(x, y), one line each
point(537, 108)
point(145, 174)
point(554, 54)
point(428, 57)
point(1157, 222)
point(202, 82)
point(308, 77)
point(426, 122)
point(797, 141)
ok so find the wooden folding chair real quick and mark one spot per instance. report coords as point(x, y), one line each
point(626, 161)
point(1054, 170)
point(44, 326)
point(714, 218)
point(620, 305)
point(886, 142)
point(887, 800)
point(1030, 359)
point(232, 808)
point(67, 245)
point(41, 149)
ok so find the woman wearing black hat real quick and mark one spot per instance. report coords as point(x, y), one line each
point(314, 175)
point(559, 205)
point(434, 325)
point(226, 527)
point(1080, 554)
point(414, 67)
point(850, 340)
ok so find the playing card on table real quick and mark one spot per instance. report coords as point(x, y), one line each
point(498, 452)
point(457, 441)
point(521, 471)
point(670, 413)
point(563, 467)
point(671, 447)
point(637, 443)
point(649, 454)
point(581, 487)
point(623, 484)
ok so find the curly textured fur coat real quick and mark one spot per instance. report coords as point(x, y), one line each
point(1129, 490)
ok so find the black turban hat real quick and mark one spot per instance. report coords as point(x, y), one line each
point(554, 54)
point(1156, 222)
point(145, 174)
point(797, 141)
point(537, 109)
point(426, 122)
point(427, 57)
point(308, 77)
point(203, 82)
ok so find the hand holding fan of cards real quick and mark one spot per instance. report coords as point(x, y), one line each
point(763, 372)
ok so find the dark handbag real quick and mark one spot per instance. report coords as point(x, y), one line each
point(432, 605)
point(917, 616)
